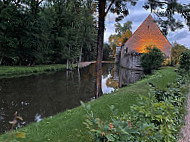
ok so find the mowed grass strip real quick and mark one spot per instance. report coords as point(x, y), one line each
point(17, 71)
point(68, 126)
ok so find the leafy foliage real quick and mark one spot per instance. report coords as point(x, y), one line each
point(152, 60)
point(185, 60)
point(176, 53)
point(106, 52)
point(166, 18)
point(167, 62)
point(119, 29)
point(123, 34)
point(157, 117)
point(36, 32)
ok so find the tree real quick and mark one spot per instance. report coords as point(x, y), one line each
point(122, 29)
point(106, 52)
point(8, 42)
point(88, 32)
point(114, 42)
point(43, 32)
point(185, 60)
point(152, 60)
point(120, 8)
point(123, 34)
point(22, 31)
point(176, 53)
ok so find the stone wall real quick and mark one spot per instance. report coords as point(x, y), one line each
point(130, 60)
point(127, 68)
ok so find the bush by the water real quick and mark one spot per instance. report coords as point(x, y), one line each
point(152, 60)
point(157, 117)
point(185, 60)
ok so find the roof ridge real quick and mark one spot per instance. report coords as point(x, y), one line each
point(163, 35)
point(149, 33)
point(148, 17)
point(140, 26)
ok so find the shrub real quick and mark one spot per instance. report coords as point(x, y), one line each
point(185, 60)
point(176, 53)
point(167, 62)
point(157, 117)
point(152, 60)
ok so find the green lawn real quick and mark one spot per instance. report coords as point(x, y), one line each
point(68, 126)
point(17, 71)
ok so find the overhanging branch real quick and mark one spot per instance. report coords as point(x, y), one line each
point(109, 7)
point(40, 2)
point(162, 2)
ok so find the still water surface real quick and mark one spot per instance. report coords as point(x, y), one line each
point(37, 97)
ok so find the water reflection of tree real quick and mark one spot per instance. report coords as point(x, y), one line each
point(105, 70)
point(112, 83)
point(112, 72)
point(36, 97)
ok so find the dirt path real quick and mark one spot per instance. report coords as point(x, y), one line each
point(186, 128)
point(84, 64)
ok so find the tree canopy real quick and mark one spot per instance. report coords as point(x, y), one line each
point(177, 50)
point(43, 32)
point(123, 34)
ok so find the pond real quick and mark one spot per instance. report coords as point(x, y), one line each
point(41, 96)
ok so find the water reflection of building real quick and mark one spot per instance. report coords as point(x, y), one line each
point(116, 72)
point(127, 76)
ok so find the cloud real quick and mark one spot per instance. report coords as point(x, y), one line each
point(181, 36)
point(110, 19)
point(137, 14)
point(178, 35)
point(184, 1)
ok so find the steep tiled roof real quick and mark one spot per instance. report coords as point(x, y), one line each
point(148, 34)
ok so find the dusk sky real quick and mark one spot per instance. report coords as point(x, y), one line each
point(138, 15)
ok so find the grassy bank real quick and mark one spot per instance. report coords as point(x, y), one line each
point(17, 71)
point(69, 127)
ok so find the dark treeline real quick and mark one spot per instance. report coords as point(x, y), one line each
point(45, 32)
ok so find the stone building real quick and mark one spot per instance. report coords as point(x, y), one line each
point(147, 35)
point(128, 56)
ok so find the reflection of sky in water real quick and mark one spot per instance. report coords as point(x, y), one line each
point(105, 88)
point(34, 96)
point(38, 117)
point(1, 117)
point(1, 114)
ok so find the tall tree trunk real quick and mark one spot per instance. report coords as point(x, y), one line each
point(67, 64)
point(79, 77)
point(101, 24)
point(80, 58)
point(67, 74)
